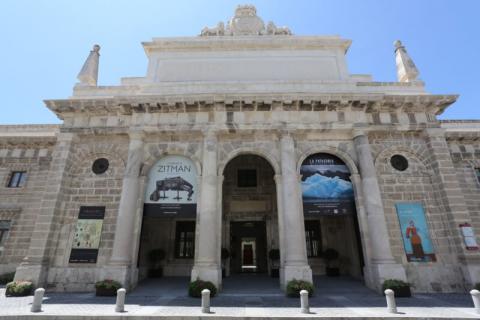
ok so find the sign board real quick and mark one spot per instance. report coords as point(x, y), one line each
point(172, 188)
point(326, 186)
point(469, 237)
point(88, 232)
point(415, 234)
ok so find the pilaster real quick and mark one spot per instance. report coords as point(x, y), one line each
point(34, 266)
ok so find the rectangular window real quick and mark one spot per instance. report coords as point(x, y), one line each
point(17, 179)
point(4, 228)
point(477, 173)
point(313, 238)
point(185, 239)
point(246, 178)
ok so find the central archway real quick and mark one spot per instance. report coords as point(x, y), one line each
point(250, 235)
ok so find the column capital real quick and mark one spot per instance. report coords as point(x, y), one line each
point(358, 132)
point(136, 135)
point(434, 132)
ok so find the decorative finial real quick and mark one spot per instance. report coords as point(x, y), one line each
point(406, 69)
point(88, 76)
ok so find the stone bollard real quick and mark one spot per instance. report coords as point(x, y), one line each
point(391, 305)
point(205, 301)
point(120, 304)
point(476, 299)
point(305, 308)
point(37, 300)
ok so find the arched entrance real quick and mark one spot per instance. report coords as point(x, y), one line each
point(167, 241)
point(331, 224)
point(249, 217)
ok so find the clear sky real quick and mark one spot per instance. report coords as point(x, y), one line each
point(44, 43)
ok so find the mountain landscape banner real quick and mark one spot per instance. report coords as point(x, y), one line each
point(326, 186)
point(172, 188)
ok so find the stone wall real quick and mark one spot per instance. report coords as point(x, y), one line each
point(85, 188)
point(20, 205)
point(417, 184)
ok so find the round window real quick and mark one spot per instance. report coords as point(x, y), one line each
point(100, 165)
point(399, 162)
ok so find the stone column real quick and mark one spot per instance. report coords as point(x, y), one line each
point(120, 264)
point(445, 183)
point(296, 263)
point(281, 230)
point(207, 257)
point(382, 264)
point(34, 266)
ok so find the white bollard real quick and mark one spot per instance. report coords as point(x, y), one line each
point(37, 300)
point(476, 299)
point(391, 305)
point(305, 308)
point(205, 301)
point(120, 304)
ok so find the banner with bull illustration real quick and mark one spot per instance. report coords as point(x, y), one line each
point(326, 186)
point(172, 188)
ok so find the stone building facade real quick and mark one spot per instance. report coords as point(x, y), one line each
point(245, 104)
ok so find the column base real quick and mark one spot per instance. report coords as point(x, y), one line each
point(35, 273)
point(122, 274)
point(471, 274)
point(378, 272)
point(302, 272)
point(208, 273)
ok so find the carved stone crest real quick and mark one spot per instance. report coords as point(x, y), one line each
point(245, 22)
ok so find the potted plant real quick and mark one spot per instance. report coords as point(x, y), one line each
point(195, 288)
point(107, 288)
point(155, 257)
point(19, 289)
point(274, 256)
point(330, 255)
point(225, 254)
point(295, 286)
point(399, 287)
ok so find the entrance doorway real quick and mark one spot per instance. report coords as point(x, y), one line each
point(249, 240)
point(249, 216)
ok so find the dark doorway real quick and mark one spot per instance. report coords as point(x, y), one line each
point(248, 246)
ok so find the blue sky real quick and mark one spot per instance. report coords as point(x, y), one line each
point(46, 42)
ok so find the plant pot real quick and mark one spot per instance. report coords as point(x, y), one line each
point(104, 292)
point(401, 292)
point(155, 273)
point(332, 272)
point(274, 273)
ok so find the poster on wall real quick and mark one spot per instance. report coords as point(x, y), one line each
point(468, 236)
point(415, 234)
point(88, 231)
point(326, 186)
point(171, 188)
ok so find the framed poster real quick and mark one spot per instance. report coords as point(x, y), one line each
point(88, 232)
point(171, 188)
point(326, 186)
point(415, 234)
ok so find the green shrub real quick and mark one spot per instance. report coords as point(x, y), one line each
point(394, 283)
point(19, 288)
point(7, 277)
point(195, 288)
point(108, 285)
point(477, 286)
point(295, 286)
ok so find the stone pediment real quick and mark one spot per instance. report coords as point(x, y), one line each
point(245, 22)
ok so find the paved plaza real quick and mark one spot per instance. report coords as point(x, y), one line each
point(246, 296)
